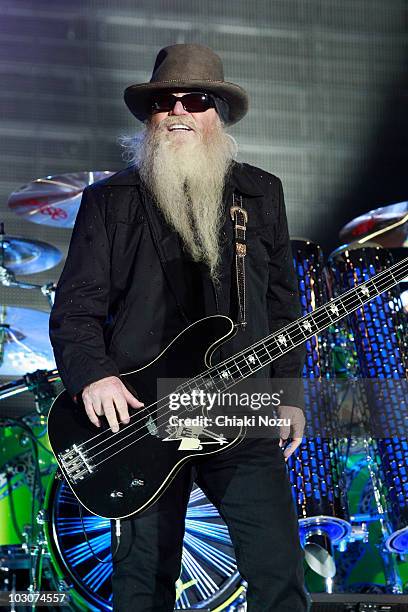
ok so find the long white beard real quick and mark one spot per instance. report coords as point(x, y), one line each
point(187, 180)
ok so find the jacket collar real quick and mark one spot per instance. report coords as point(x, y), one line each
point(240, 179)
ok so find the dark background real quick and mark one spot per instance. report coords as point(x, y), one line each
point(327, 81)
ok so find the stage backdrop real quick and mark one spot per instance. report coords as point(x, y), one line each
point(325, 78)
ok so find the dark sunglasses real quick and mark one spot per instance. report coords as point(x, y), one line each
point(192, 102)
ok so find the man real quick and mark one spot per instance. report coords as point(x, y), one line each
point(151, 251)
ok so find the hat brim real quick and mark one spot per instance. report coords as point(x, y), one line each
point(137, 97)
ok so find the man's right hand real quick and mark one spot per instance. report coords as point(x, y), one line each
point(109, 396)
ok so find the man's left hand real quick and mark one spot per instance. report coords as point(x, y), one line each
point(295, 416)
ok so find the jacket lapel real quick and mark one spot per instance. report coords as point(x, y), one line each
point(169, 248)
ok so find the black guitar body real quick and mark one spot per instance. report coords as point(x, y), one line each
point(118, 475)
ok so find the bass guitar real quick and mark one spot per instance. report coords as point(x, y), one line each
point(116, 475)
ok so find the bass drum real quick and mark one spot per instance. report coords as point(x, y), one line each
point(17, 467)
point(209, 579)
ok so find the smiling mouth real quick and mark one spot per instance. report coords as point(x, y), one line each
point(179, 127)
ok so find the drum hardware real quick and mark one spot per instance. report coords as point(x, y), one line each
point(323, 516)
point(42, 516)
point(26, 461)
point(359, 530)
point(8, 279)
point(379, 333)
point(26, 467)
point(38, 553)
point(319, 553)
point(19, 385)
point(387, 225)
point(13, 558)
point(26, 257)
point(24, 341)
point(20, 255)
point(53, 200)
point(42, 389)
point(48, 290)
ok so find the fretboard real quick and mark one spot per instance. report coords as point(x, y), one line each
point(263, 352)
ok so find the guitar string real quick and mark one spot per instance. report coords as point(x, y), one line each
point(313, 314)
point(248, 349)
point(302, 339)
point(147, 434)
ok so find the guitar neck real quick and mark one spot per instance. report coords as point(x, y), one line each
point(263, 352)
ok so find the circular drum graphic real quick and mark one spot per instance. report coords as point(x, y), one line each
point(209, 577)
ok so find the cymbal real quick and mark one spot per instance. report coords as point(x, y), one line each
point(388, 226)
point(23, 256)
point(24, 342)
point(53, 200)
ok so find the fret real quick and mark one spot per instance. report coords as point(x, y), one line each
point(306, 327)
point(294, 335)
point(205, 385)
point(358, 293)
point(238, 369)
point(200, 380)
point(288, 335)
point(327, 318)
point(275, 340)
point(303, 329)
point(209, 385)
point(401, 272)
point(266, 349)
point(244, 366)
point(341, 308)
point(273, 352)
point(223, 375)
point(250, 360)
point(187, 387)
point(371, 282)
point(386, 284)
point(262, 360)
point(313, 324)
point(233, 368)
point(190, 387)
point(350, 302)
point(333, 309)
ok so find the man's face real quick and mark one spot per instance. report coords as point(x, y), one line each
point(199, 123)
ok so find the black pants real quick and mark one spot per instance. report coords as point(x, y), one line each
point(249, 485)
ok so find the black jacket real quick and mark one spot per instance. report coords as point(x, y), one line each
point(128, 287)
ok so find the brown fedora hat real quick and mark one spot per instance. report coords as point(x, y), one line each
point(183, 68)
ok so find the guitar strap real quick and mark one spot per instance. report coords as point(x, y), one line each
point(240, 218)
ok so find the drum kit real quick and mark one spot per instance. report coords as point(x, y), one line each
point(370, 347)
point(41, 539)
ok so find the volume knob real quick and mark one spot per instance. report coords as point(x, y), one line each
point(137, 482)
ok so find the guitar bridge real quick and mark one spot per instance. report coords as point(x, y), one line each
point(76, 463)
